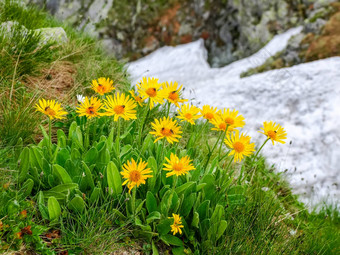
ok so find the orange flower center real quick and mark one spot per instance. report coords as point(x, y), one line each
point(229, 121)
point(135, 176)
point(167, 132)
point(271, 134)
point(119, 109)
point(138, 98)
point(50, 111)
point(188, 116)
point(152, 92)
point(173, 96)
point(177, 167)
point(238, 146)
point(101, 88)
point(90, 110)
point(222, 126)
point(209, 116)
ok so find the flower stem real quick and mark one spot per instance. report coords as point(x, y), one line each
point(118, 137)
point(224, 135)
point(168, 111)
point(133, 205)
point(50, 133)
point(143, 122)
point(211, 152)
point(257, 153)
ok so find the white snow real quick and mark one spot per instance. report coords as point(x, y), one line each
point(303, 98)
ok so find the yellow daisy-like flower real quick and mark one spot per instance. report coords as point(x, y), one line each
point(137, 98)
point(208, 112)
point(102, 86)
point(135, 174)
point(178, 166)
point(189, 113)
point(240, 145)
point(274, 131)
point(219, 124)
point(166, 128)
point(120, 106)
point(151, 88)
point(177, 225)
point(51, 108)
point(231, 118)
point(172, 93)
point(90, 108)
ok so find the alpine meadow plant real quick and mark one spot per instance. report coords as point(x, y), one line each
point(172, 191)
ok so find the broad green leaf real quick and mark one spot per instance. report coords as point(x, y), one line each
point(64, 187)
point(114, 180)
point(88, 175)
point(77, 204)
point(195, 220)
point(154, 249)
point(222, 226)
point(61, 174)
point(178, 251)
point(187, 204)
point(57, 195)
point(42, 207)
point(95, 195)
point(203, 210)
point(54, 209)
point(62, 139)
point(27, 187)
point(91, 156)
point(24, 164)
point(171, 240)
point(62, 156)
point(153, 216)
point(164, 226)
point(151, 202)
point(181, 189)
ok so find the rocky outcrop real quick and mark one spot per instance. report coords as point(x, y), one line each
point(232, 29)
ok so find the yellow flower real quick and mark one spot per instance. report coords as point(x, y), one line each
point(120, 106)
point(172, 93)
point(189, 113)
point(135, 174)
point(240, 145)
point(151, 88)
point(178, 166)
point(166, 128)
point(177, 225)
point(231, 118)
point(51, 108)
point(208, 112)
point(137, 98)
point(102, 86)
point(274, 131)
point(219, 124)
point(90, 108)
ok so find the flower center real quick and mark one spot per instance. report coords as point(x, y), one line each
point(173, 96)
point(222, 126)
point(50, 111)
point(229, 121)
point(90, 110)
point(119, 109)
point(101, 88)
point(177, 167)
point(152, 92)
point(138, 99)
point(188, 116)
point(135, 176)
point(271, 134)
point(209, 116)
point(167, 131)
point(238, 146)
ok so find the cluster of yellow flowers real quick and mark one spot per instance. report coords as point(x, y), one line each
point(225, 121)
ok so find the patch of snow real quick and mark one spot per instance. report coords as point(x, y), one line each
point(303, 98)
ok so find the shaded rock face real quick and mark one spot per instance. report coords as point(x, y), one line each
point(232, 29)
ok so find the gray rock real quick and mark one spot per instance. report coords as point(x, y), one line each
point(55, 35)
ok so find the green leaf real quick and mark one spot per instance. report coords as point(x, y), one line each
point(42, 207)
point(186, 186)
point(64, 187)
point(114, 180)
point(61, 174)
point(95, 195)
point(217, 214)
point(77, 204)
point(61, 138)
point(103, 157)
point(36, 158)
point(154, 249)
point(178, 251)
point(187, 205)
point(222, 226)
point(151, 202)
point(153, 216)
point(164, 226)
point(91, 156)
point(171, 240)
point(57, 195)
point(117, 213)
point(24, 164)
point(27, 187)
point(62, 156)
point(88, 175)
point(195, 220)
point(203, 210)
point(54, 209)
